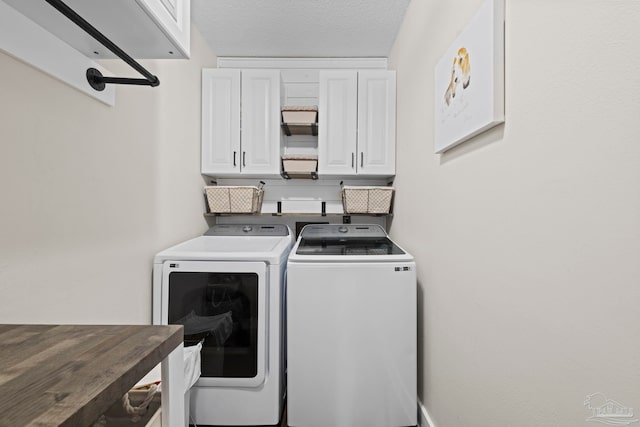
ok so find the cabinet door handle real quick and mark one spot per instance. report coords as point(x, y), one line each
point(362, 159)
point(234, 159)
point(353, 160)
point(244, 158)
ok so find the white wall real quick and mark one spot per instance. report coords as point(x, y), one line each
point(527, 238)
point(89, 193)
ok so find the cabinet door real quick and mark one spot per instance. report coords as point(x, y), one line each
point(376, 122)
point(337, 116)
point(220, 121)
point(260, 122)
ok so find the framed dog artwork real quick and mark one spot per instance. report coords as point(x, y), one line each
point(469, 79)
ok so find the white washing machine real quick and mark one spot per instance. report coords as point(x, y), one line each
point(351, 322)
point(227, 287)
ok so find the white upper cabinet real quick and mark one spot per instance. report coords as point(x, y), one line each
point(241, 115)
point(261, 121)
point(338, 122)
point(220, 121)
point(144, 29)
point(376, 122)
point(357, 123)
point(241, 122)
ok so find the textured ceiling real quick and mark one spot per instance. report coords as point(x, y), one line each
point(299, 28)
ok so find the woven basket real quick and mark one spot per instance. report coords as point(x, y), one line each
point(367, 200)
point(299, 164)
point(300, 114)
point(234, 199)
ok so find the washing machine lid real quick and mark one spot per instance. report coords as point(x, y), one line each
point(324, 242)
point(228, 246)
point(382, 246)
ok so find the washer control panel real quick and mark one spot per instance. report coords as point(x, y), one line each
point(248, 230)
point(342, 231)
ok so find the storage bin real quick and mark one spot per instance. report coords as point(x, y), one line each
point(234, 199)
point(300, 120)
point(299, 115)
point(367, 200)
point(299, 165)
point(148, 413)
point(117, 416)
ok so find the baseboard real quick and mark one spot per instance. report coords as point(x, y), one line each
point(424, 419)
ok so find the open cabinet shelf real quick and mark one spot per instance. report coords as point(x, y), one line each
point(209, 214)
point(300, 129)
point(299, 175)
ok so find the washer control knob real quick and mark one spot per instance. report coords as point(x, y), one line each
point(247, 228)
point(343, 229)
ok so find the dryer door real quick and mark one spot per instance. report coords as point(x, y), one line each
point(222, 304)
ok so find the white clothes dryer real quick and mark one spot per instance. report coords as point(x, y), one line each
point(226, 287)
point(351, 329)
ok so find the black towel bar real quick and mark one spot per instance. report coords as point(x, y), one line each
point(95, 77)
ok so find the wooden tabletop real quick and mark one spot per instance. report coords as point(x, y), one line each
point(68, 375)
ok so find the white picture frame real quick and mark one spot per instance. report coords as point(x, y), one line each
point(469, 79)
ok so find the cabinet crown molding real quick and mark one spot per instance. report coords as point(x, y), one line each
point(303, 63)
